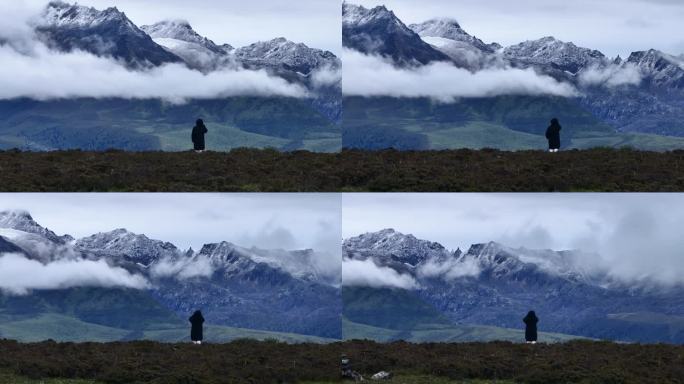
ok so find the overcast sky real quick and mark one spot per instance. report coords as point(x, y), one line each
point(289, 221)
point(316, 23)
point(611, 26)
point(634, 233)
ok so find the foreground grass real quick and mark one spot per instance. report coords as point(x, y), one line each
point(571, 362)
point(424, 379)
point(239, 362)
point(10, 378)
point(254, 170)
point(251, 362)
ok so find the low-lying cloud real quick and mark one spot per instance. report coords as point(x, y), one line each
point(20, 275)
point(611, 76)
point(327, 77)
point(44, 74)
point(183, 268)
point(324, 239)
point(641, 245)
point(367, 274)
point(367, 75)
point(450, 269)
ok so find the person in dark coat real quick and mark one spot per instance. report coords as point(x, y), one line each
point(553, 135)
point(531, 321)
point(198, 132)
point(196, 333)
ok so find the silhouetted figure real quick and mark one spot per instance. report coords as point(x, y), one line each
point(553, 135)
point(531, 321)
point(198, 132)
point(197, 332)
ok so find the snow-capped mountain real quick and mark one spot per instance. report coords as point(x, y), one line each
point(23, 222)
point(282, 54)
point(105, 33)
point(274, 290)
point(378, 31)
point(662, 71)
point(492, 284)
point(391, 248)
point(450, 29)
point(554, 55)
point(448, 37)
point(121, 246)
point(197, 51)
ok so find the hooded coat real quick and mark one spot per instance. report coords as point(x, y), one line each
point(197, 321)
point(553, 134)
point(198, 132)
point(531, 321)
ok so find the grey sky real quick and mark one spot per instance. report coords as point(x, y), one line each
point(313, 22)
point(612, 26)
point(289, 221)
point(636, 234)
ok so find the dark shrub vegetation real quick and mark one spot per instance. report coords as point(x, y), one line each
point(252, 170)
point(246, 361)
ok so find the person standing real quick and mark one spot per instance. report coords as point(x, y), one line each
point(531, 321)
point(198, 132)
point(553, 135)
point(197, 330)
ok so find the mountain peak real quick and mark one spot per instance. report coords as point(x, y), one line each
point(662, 69)
point(560, 55)
point(127, 245)
point(440, 27)
point(450, 29)
point(281, 53)
point(378, 31)
point(358, 14)
point(60, 13)
point(21, 220)
point(108, 33)
point(397, 246)
point(179, 30)
point(17, 214)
